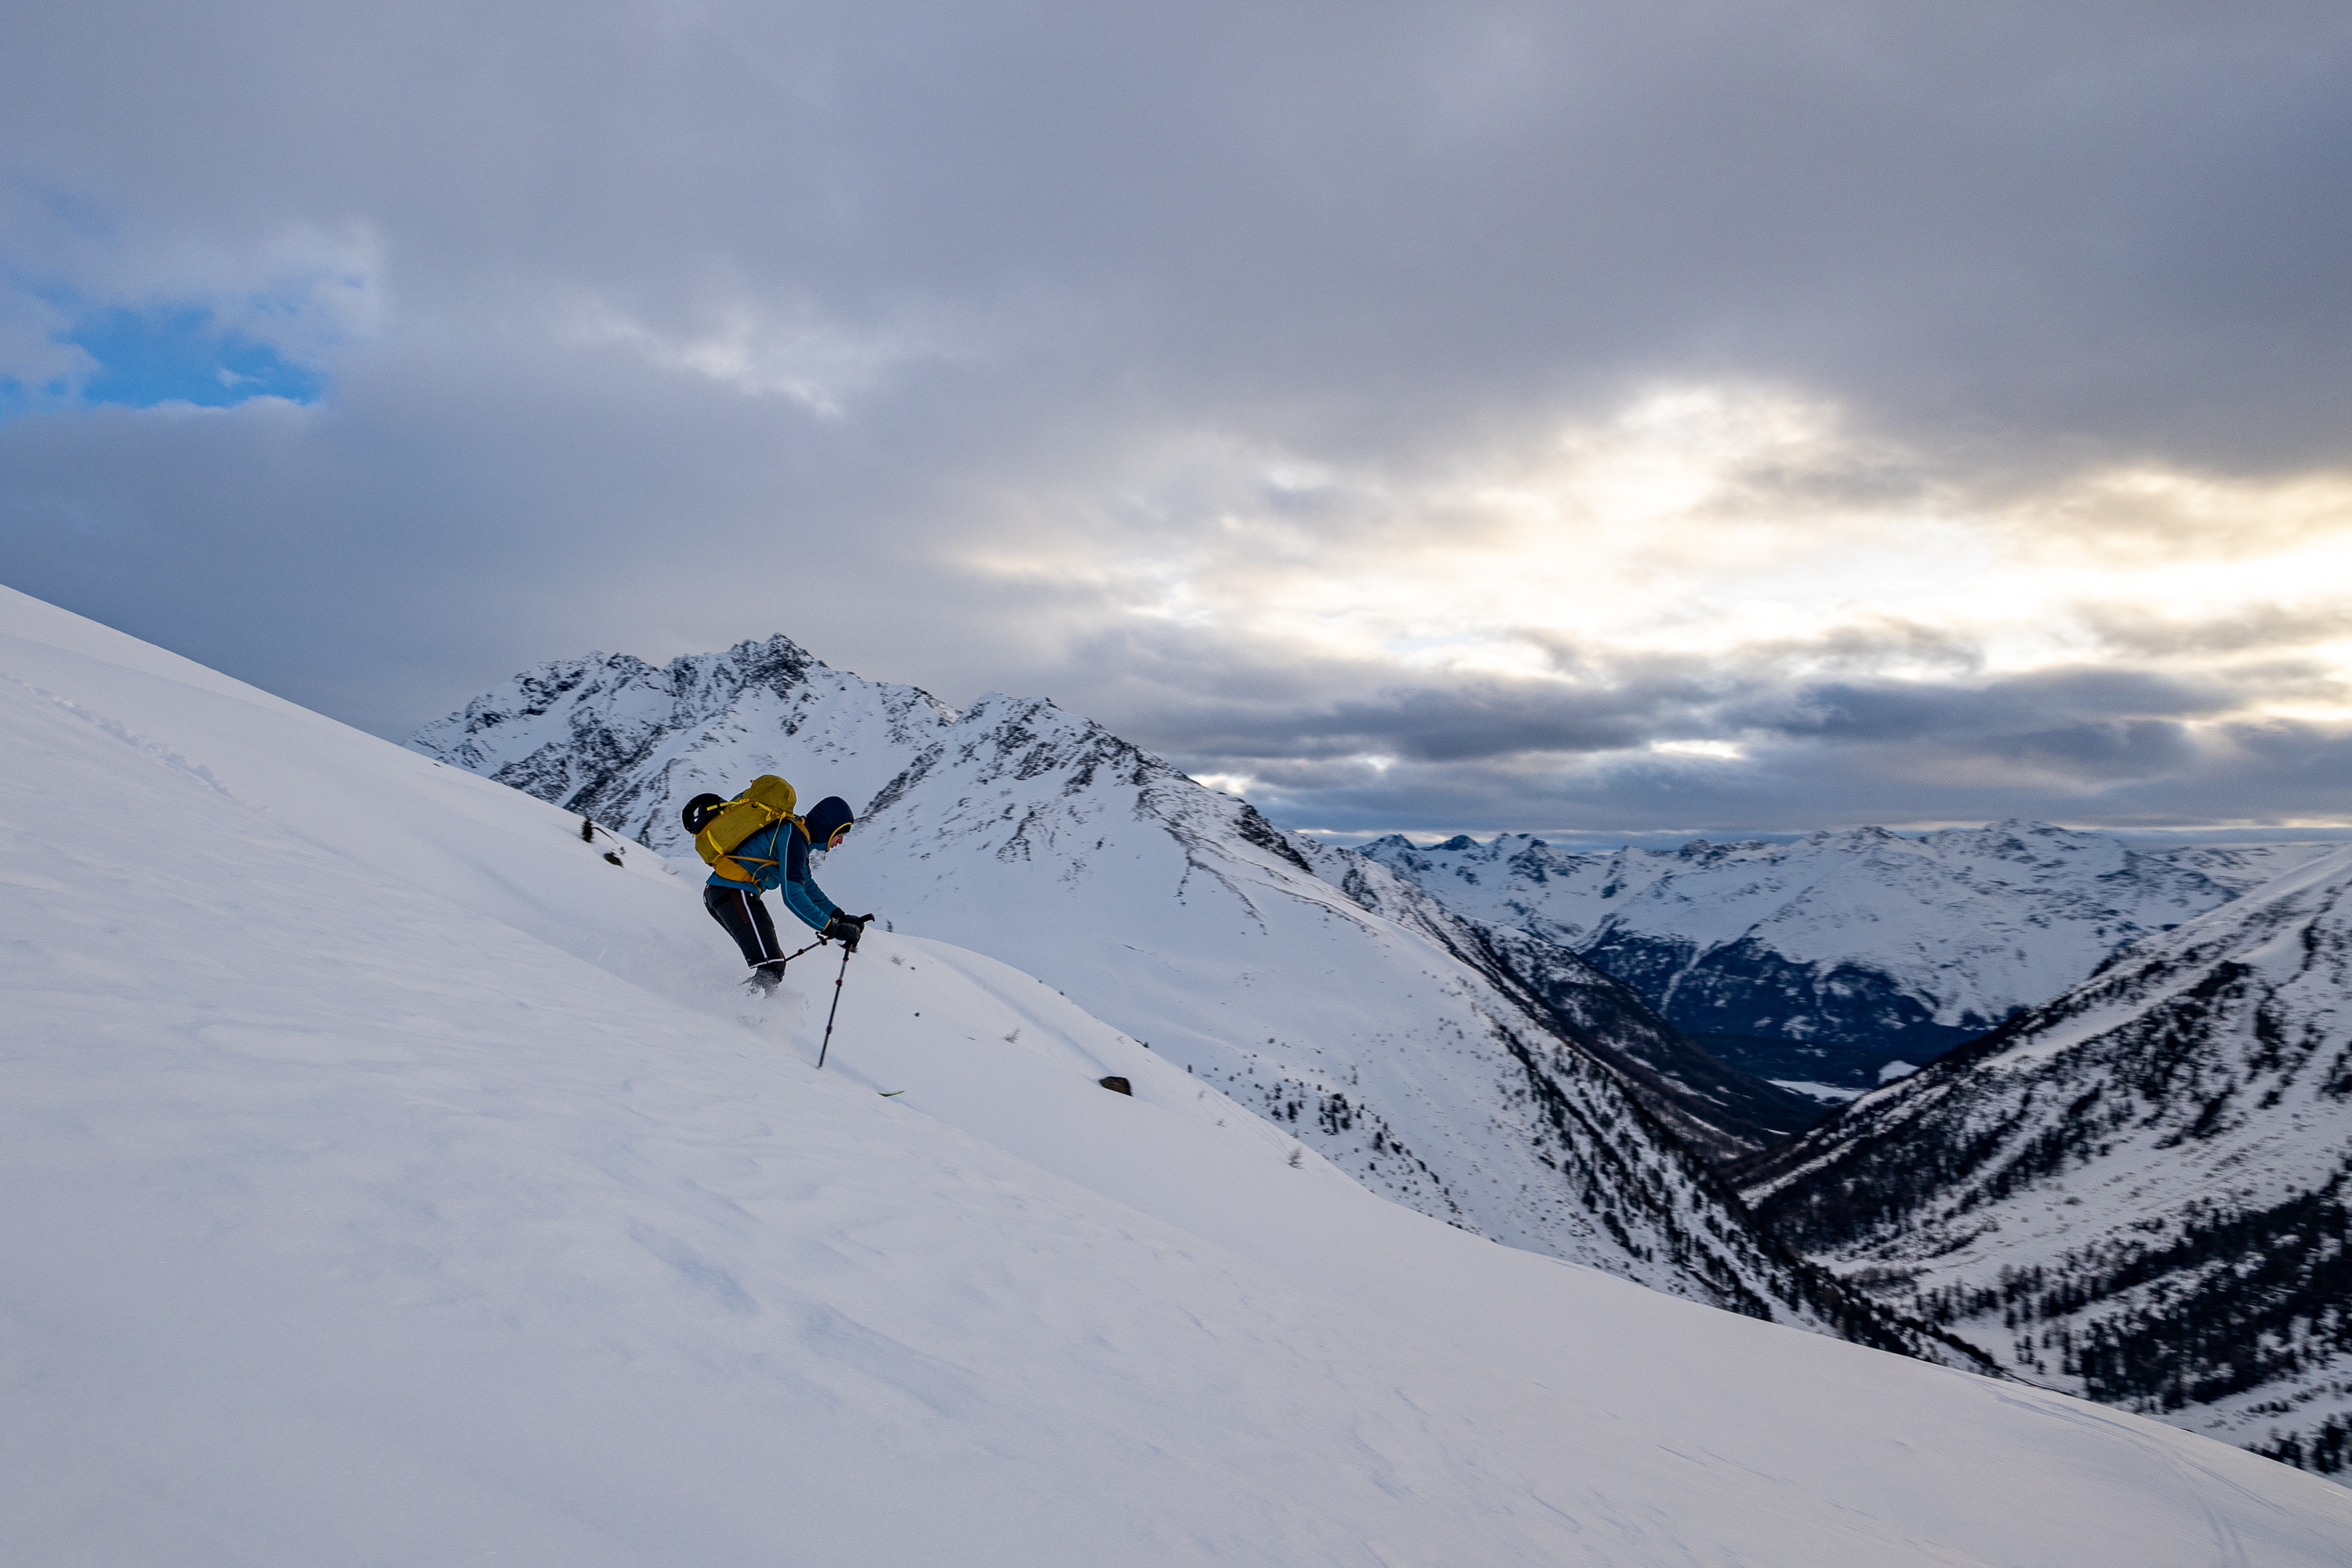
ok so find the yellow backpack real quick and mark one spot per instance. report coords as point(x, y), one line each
point(719, 826)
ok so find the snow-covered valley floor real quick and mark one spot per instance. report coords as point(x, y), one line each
point(386, 1178)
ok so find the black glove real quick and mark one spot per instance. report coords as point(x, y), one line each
point(845, 928)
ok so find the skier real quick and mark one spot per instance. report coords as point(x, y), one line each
point(777, 857)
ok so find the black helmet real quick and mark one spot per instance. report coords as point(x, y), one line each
point(827, 821)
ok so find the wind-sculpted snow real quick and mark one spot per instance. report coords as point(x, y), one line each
point(2141, 1190)
point(1484, 1078)
point(424, 1195)
point(1835, 956)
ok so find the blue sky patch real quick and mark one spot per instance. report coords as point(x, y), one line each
point(180, 353)
point(62, 351)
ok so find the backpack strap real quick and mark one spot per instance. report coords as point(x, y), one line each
point(743, 873)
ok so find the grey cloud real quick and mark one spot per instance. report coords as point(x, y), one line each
point(2252, 628)
point(2021, 238)
point(2128, 749)
point(2271, 773)
point(1851, 712)
point(2257, 772)
point(2118, 747)
point(2080, 718)
point(1347, 221)
point(1862, 648)
point(1454, 723)
point(1254, 705)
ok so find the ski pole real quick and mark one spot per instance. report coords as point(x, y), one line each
point(845, 951)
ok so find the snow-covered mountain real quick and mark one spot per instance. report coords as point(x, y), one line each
point(617, 739)
point(1483, 1077)
point(2140, 1191)
point(1850, 957)
point(388, 1177)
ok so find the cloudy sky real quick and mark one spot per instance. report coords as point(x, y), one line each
point(1577, 417)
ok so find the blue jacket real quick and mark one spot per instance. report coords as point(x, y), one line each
point(788, 871)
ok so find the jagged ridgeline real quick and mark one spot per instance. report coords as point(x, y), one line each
point(1483, 1076)
point(1846, 958)
point(2137, 1192)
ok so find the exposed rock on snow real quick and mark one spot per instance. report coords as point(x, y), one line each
point(1826, 959)
point(2140, 1191)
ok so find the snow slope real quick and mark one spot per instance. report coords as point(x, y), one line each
point(1861, 946)
point(390, 1179)
point(2141, 1190)
point(1477, 1075)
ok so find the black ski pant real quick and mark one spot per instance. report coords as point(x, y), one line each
point(745, 916)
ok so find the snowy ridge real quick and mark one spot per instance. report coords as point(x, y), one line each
point(614, 738)
point(2140, 1191)
point(1863, 944)
point(390, 1178)
point(1343, 1004)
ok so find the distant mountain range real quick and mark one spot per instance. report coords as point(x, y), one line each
point(2140, 1191)
point(1479, 1073)
point(1836, 962)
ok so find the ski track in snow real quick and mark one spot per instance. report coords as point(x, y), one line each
point(386, 1178)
